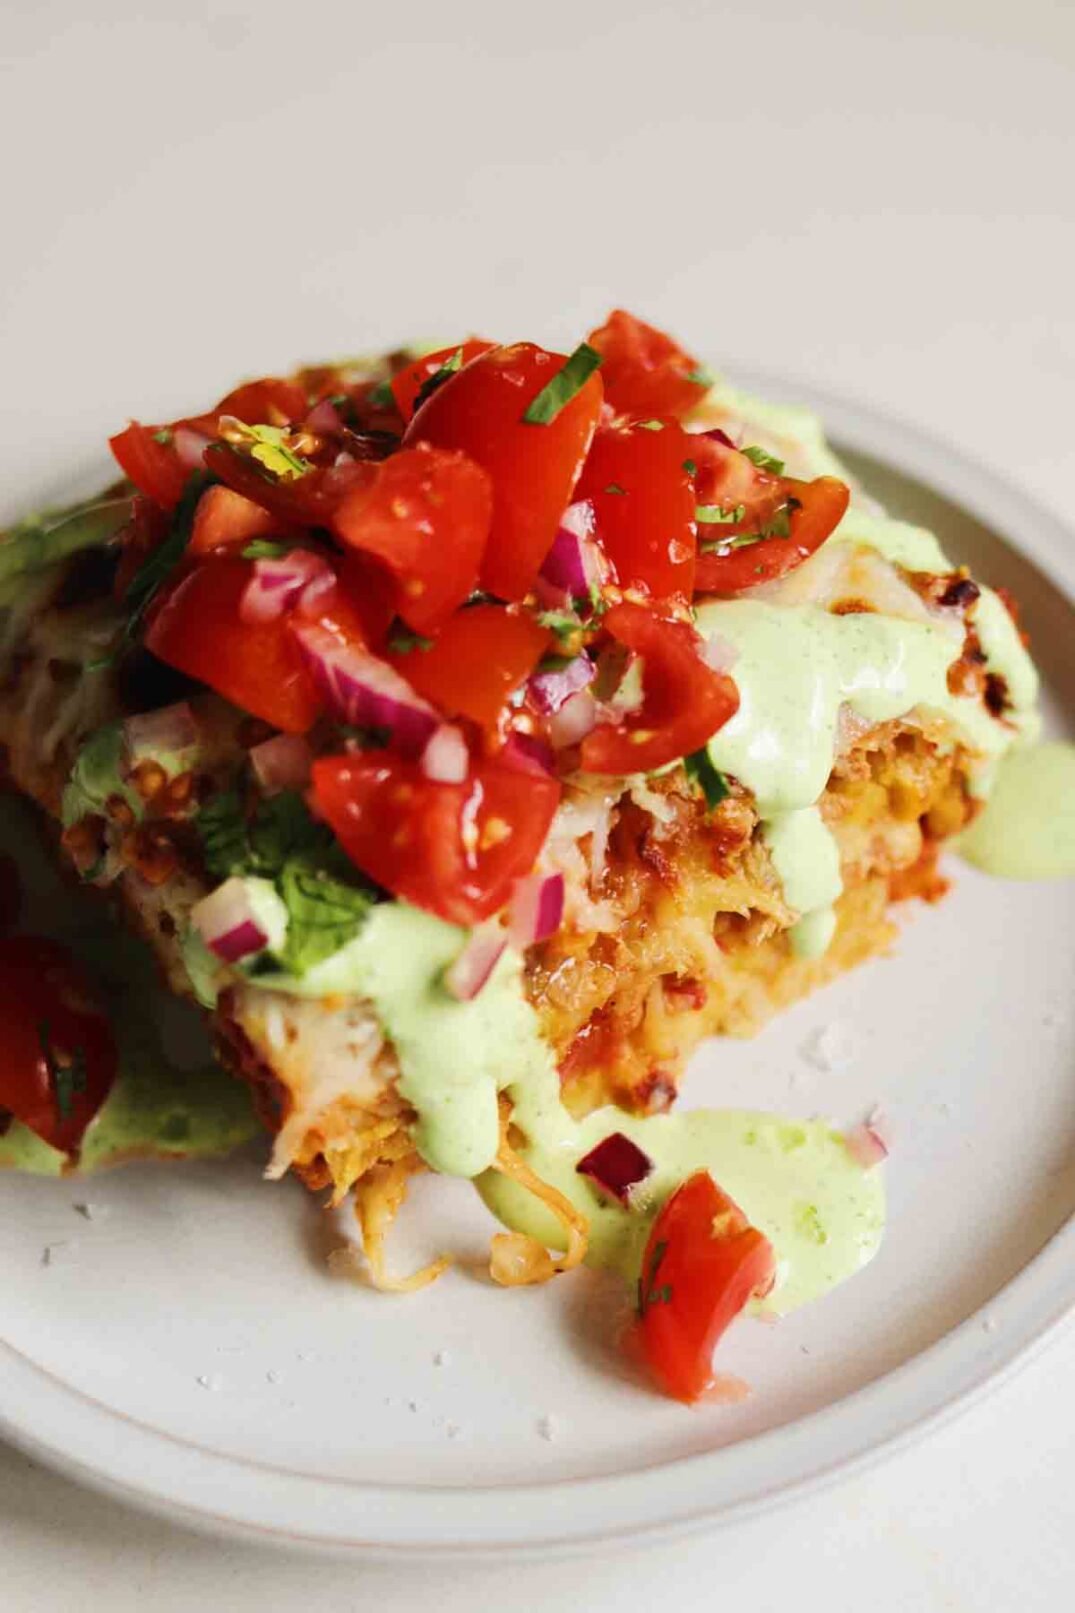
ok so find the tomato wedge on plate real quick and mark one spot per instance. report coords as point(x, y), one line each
point(476, 661)
point(533, 467)
point(684, 701)
point(151, 465)
point(199, 630)
point(424, 513)
point(645, 372)
point(813, 512)
point(643, 498)
point(703, 1262)
point(408, 382)
point(453, 849)
point(57, 1051)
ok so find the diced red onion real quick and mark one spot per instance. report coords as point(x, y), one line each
point(549, 690)
point(468, 973)
point(324, 419)
point(575, 561)
point(575, 719)
point(446, 759)
point(190, 447)
point(537, 908)
point(172, 728)
point(282, 763)
point(276, 585)
point(227, 923)
point(364, 690)
point(866, 1142)
point(528, 753)
point(617, 1165)
point(719, 653)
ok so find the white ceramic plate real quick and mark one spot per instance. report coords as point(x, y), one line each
point(188, 1349)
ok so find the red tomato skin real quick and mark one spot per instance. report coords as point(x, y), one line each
point(477, 659)
point(257, 666)
point(684, 700)
point(408, 382)
point(711, 1264)
point(43, 986)
point(645, 372)
point(453, 849)
point(151, 465)
point(308, 500)
point(822, 505)
point(425, 515)
point(533, 468)
point(225, 519)
point(270, 401)
point(647, 529)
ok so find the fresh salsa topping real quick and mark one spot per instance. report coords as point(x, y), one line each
point(453, 586)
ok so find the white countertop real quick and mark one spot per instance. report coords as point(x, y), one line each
point(874, 196)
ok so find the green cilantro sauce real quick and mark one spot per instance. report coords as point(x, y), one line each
point(795, 1180)
point(797, 664)
point(1027, 830)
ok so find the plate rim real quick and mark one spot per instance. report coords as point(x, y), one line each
point(70, 1431)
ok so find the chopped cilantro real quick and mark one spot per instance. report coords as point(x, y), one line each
point(326, 898)
point(701, 376)
point(265, 549)
point(267, 446)
point(649, 425)
point(691, 467)
point(709, 779)
point(558, 392)
point(381, 396)
point(433, 382)
point(158, 566)
point(714, 515)
point(648, 1293)
point(614, 487)
point(163, 436)
point(64, 1079)
point(764, 460)
point(779, 524)
point(401, 639)
point(561, 622)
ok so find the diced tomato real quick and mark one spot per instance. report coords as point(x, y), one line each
point(425, 514)
point(703, 1262)
point(57, 1052)
point(151, 465)
point(225, 519)
point(408, 382)
point(257, 665)
point(476, 660)
point(817, 510)
point(728, 480)
point(147, 528)
point(645, 372)
point(643, 498)
point(270, 401)
point(453, 849)
point(307, 500)
point(533, 467)
point(684, 700)
point(370, 591)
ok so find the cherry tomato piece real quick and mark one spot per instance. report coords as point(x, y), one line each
point(684, 701)
point(645, 372)
point(408, 382)
point(424, 513)
point(57, 1051)
point(453, 849)
point(224, 519)
point(151, 465)
point(703, 1262)
point(476, 660)
point(533, 467)
point(257, 665)
point(817, 510)
point(643, 498)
